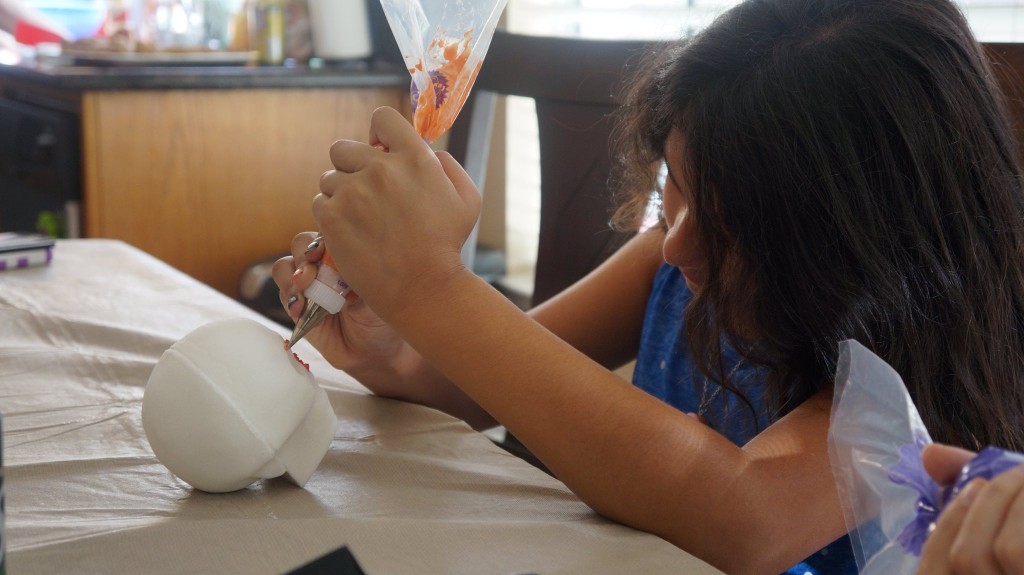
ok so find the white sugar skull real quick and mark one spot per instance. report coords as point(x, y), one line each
point(228, 405)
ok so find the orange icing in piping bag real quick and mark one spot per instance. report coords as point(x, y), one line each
point(438, 104)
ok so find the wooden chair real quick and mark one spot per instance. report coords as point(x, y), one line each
point(575, 84)
point(1008, 63)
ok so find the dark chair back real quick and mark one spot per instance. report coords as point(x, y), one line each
point(575, 84)
point(1008, 63)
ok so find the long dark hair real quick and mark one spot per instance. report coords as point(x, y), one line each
point(856, 158)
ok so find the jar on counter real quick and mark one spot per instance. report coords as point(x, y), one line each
point(266, 30)
point(174, 24)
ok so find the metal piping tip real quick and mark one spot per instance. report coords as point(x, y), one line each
point(311, 316)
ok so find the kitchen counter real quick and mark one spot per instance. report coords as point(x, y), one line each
point(208, 168)
point(54, 73)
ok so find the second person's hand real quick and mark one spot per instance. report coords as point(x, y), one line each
point(982, 530)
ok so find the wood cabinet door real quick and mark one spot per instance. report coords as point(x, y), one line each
point(210, 181)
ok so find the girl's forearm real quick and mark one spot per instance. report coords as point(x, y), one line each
point(628, 455)
point(591, 428)
point(412, 378)
point(599, 315)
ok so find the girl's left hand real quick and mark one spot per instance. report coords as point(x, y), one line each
point(982, 530)
point(394, 220)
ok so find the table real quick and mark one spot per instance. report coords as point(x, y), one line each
point(408, 489)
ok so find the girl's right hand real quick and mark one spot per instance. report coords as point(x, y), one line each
point(354, 340)
point(357, 341)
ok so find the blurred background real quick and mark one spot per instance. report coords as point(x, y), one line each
point(283, 34)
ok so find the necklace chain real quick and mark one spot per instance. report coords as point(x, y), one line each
point(705, 399)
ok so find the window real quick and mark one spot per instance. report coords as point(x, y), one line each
point(992, 20)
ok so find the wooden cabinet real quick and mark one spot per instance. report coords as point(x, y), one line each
point(211, 180)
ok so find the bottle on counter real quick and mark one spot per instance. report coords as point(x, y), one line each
point(219, 19)
point(298, 42)
point(265, 19)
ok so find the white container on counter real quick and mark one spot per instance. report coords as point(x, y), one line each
point(341, 29)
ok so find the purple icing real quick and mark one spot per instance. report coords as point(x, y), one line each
point(440, 82)
point(988, 463)
point(909, 471)
point(932, 498)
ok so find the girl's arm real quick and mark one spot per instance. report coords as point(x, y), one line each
point(631, 457)
point(398, 220)
point(600, 315)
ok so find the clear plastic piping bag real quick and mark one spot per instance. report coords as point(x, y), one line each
point(890, 504)
point(444, 43)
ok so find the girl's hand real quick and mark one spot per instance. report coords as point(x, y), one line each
point(394, 221)
point(982, 530)
point(354, 339)
point(360, 343)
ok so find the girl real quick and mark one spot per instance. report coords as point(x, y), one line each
point(835, 169)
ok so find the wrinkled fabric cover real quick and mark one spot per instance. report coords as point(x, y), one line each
point(408, 489)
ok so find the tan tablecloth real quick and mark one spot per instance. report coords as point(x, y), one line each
point(408, 489)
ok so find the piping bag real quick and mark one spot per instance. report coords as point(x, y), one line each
point(443, 43)
point(890, 503)
point(325, 296)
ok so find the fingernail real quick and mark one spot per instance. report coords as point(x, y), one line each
point(296, 275)
point(312, 246)
point(292, 300)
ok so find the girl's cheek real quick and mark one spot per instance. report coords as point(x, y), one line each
point(670, 249)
